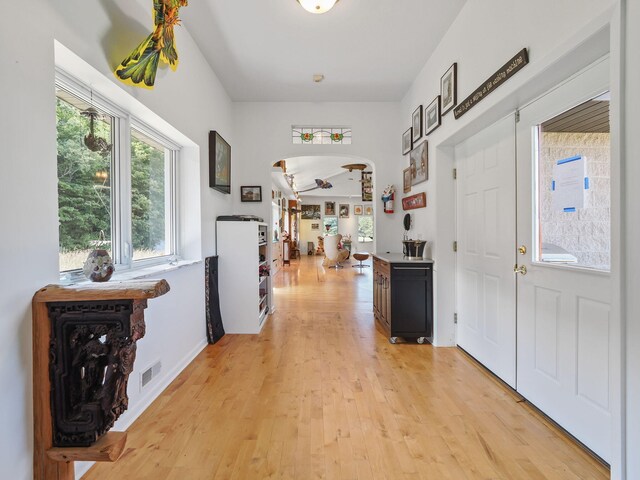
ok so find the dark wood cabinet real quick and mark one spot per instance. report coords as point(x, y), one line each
point(403, 297)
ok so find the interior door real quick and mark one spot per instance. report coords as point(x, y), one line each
point(486, 227)
point(564, 346)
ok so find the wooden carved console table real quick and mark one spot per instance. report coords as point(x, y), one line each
point(84, 346)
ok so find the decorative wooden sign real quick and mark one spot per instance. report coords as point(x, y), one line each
point(412, 202)
point(502, 75)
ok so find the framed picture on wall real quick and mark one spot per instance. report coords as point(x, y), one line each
point(419, 163)
point(357, 209)
point(310, 212)
point(219, 163)
point(330, 208)
point(416, 124)
point(315, 226)
point(406, 180)
point(251, 194)
point(367, 186)
point(368, 210)
point(432, 116)
point(448, 89)
point(344, 210)
point(407, 140)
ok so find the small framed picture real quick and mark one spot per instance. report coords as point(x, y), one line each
point(368, 210)
point(419, 163)
point(432, 116)
point(448, 88)
point(416, 124)
point(251, 194)
point(315, 226)
point(407, 141)
point(344, 210)
point(330, 208)
point(406, 180)
point(357, 209)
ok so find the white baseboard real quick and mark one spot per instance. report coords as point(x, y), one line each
point(147, 399)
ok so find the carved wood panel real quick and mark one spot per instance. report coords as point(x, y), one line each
point(92, 351)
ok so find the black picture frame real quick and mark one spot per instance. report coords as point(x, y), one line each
point(219, 163)
point(416, 125)
point(251, 193)
point(449, 89)
point(432, 117)
point(407, 141)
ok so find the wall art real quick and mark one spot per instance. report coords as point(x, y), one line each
point(419, 163)
point(310, 212)
point(219, 163)
point(406, 180)
point(449, 89)
point(344, 210)
point(330, 208)
point(407, 142)
point(251, 194)
point(432, 116)
point(416, 124)
point(514, 65)
point(418, 200)
point(357, 209)
point(367, 186)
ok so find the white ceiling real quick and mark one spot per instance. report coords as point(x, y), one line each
point(306, 169)
point(368, 50)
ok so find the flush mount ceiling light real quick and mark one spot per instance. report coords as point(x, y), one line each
point(317, 6)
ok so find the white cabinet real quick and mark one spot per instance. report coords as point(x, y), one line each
point(245, 294)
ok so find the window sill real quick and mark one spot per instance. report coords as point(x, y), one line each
point(137, 273)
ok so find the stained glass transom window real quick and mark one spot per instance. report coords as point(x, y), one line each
point(320, 135)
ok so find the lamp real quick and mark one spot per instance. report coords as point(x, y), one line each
point(317, 6)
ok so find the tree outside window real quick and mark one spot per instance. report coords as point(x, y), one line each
point(365, 228)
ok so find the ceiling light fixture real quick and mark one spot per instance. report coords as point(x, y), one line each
point(318, 77)
point(317, 6)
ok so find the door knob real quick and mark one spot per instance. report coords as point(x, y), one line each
point(522, 250)
point(522, 269)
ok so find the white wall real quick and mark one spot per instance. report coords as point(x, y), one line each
point(264, 133)
point(346, 226)
point(192, 100)
point(631, 239)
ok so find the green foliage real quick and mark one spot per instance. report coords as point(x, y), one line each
point(365, 228)
point(147, 196)
point(84, 187)
point(84, 203)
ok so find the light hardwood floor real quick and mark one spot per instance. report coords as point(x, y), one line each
point(321, 393)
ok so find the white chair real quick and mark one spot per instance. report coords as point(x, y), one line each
point(333, 255)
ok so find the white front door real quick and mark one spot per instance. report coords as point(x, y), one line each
point(486, 218)
point(565, 346)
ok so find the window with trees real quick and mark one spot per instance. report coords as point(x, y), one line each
point(116, 183)
point(365, 228)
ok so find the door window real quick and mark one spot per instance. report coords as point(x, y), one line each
point(573, 163)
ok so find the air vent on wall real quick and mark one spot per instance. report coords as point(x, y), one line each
point(149, 374)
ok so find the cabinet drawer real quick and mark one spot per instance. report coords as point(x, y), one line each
point(405, 270)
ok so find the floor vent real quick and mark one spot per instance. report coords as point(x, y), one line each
point(149, 374)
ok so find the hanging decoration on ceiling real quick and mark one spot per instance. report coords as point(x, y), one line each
point(139, 69)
